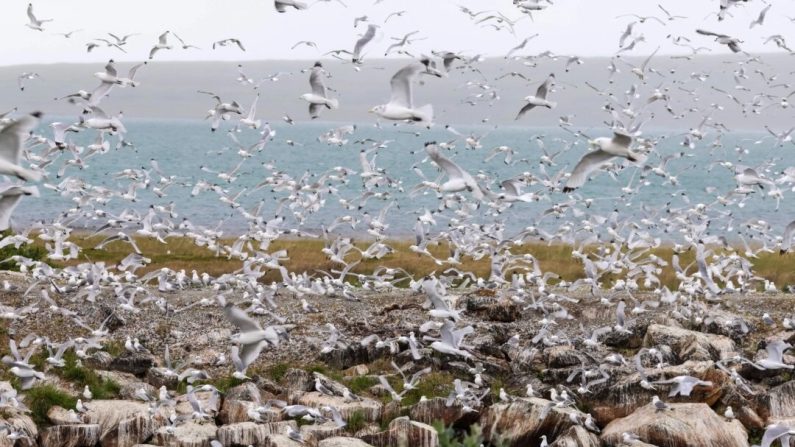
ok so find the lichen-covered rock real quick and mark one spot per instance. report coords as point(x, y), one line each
point(369, 408)
point(782, 401)
point(690, 345)
point(136, 363)
point(577, 436)
point(404, 432)
point(562, 356)
point(322, 431)
point(493, 309)
point(281, 441)
point(19, 422)
point(343, 442)
point(75, 435)
point(189, 434)
point(519, 423)
point(683, 425)
point(122, 423)
point(436, 409)
point(158, 377)
point(244, 434)
point(298, 380)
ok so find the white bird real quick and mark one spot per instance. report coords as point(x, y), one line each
point(607, 149)
point(230, 41)
point(319, 96)
point(282, 5)
point(35, 23)
point(364, 40)
point(12, 138)
point(162, 44)
point(683, 385)
point(401, 103)
point(540, 98)
point(10, 195)
point(457, 178)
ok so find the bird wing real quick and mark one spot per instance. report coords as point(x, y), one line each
point(13, 135)
point(401, 83)
point(621, 139)
point(448, 166)
point(709, 33)
point(316, 82)
point(30, 13)
point(367, 37)
point(239, 318)
point(544, 88)
point(162, 39)
point(589, 163)
point(110, 68)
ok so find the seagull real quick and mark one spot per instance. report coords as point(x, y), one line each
point(779, 431)
point(25, 76)
point(230, 41)
point(35, 23)
point(775, 356)
point(540, 98)
point(458, 179)
point(319, 96)
point(732, 42)
point(607, 149)
point(364, 40)
point(658, 404)
point(252, 338)
point(401, 104)
point(185, 46)
point(761, 19)
point(10, 195)
point(282, 5)
point(683, 385)
point(162, 44)
point(12, 138)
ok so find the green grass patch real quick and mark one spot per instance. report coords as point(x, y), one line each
point(277, 372)
point(356, 421)
point(101, 388)
point(40, 398)
point(361, 383)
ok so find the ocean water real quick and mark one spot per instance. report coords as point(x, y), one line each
point(182, 147)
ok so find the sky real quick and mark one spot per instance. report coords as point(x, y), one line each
point(568, 27)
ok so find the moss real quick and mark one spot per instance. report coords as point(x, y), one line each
point(40, 398)
point(326, 371)
point(100, 387)
point(361, 383)
point(356, 421)
point(114, 347)
point(30, 251)
point(277, 372)
point(224, 384)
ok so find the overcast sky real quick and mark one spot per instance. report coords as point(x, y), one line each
point(572, 27)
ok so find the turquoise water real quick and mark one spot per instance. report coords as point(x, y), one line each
point(182, 147)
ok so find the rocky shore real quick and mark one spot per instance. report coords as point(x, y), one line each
point(517, 373)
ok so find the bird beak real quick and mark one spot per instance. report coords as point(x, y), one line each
point(591, 143)
point(371, 110)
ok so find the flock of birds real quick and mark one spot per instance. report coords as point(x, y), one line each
point(625, 244)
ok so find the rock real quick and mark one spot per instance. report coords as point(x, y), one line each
point(137, 363)
point(61, 416)
point(322, 431)
point(577, 436)
point(562, 356)
point(436, 409)
point(405, 432)
point(356, 371)
point(630, 338)
point(158, 377)
point(343, 442)
point(189, 434)
point(98, 360)
point(243, 434)
point(122, 423)
point(20, 422)
point(370, 409)
point(234, 411)
point(518, 423)
point(298, 380)
point(684, 425)
point(76, 435)
point(209, 401)
point(782, 401)
point(128, 384)
point(341, 358)
point(493, 309)
point(280, 441)
point(690, 345)
point(244, 391)
point(623, 394)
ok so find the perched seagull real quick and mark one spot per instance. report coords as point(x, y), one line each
point(282, 5)
point(401, 104)
point(162, 44)
point(607, 149)
point(319, 96)
point(540, 98)
point(35, 23)
point(12, 138)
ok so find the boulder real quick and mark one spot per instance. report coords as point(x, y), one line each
point(74, 435)
point(562, 356)
point(234, 411)
point(577, 436)
point(123, 423)
point(189, 434)
point(436, 409)
point(158, 377)
point(343, 442)
point(493, 309)
point(341, 358)
point(209, 401)
point(136, 363)
point(782, 401)
point(369, 408)
point(98, 360)
point(243, 434)
point(281, 441)
point(519, 423)
point(623, 394)
point(322, 431)
point(61, 416)
point(683, 425)
point(404, 432)
point(356, 371)
point(298, 380)
point(21, 423)
point(690, 345)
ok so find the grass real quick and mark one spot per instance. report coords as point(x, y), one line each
point(35, 252)
point(305, 256)
point(356, 421)
point(277, 372)
point(361, 383)
point(435, 384)
point(100, 387)
point(40, 398)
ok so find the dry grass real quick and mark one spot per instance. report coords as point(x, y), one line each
point(305, 256)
